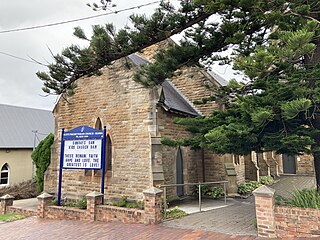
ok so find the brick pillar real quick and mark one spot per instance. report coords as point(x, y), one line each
point(264, 201)
point(5, 201)
point(44, 200)
point(93, 200)
point(152, 206)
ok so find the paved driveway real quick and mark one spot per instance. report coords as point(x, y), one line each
point(236, 218)
point(30, 203)
point(38, 229)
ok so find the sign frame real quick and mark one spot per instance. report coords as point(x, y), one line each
point(82, 133)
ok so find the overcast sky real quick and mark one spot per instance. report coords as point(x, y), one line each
point(18, 83)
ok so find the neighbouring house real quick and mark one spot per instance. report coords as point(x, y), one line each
point(136, 118)
point(21, 129)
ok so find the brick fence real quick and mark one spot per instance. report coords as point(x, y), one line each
point(282, 221)
point(152, 213)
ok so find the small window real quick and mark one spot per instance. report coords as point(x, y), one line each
point(4, 177)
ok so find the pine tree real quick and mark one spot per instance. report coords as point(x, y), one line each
point(276, 44)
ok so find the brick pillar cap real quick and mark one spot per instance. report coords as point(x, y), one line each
point(7, 197)
point(44, 195)
point(94, 194)
point(264, 191)
point(152, 191)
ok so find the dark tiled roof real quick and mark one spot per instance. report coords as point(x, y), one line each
point(174, 101)
point(138, 60)
point(17, 124)
point(171, 100)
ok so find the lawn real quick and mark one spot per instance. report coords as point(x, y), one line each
point(11, 217)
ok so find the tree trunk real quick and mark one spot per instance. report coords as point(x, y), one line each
point(316, 157)
point(315, 148)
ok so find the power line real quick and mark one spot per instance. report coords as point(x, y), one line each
point(77, 20)
point(20, 58)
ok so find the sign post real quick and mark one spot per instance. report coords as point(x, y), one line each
point(82, 148)
point(103, 156)
point(60, 167)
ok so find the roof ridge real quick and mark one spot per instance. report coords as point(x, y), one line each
point(21, 107)
point(146, 59)
point(217, 77)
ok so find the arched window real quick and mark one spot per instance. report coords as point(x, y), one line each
point(109, 153)
point(98, 125)
point(179, 172)
point(4, 175)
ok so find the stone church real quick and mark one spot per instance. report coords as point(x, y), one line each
point(136, 118)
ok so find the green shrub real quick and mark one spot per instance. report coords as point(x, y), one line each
point(216, 192)
point(204, 190)
point(123, 202)
point(175, 213)
point(69, 204)
point(137, 205)
point(244, 188)
point(266, 180)
point(306, 198)
point(82, 203)
point(54, 202)
point(254, 184)
point(282, 201)
point(248, 187)
point(41, 158)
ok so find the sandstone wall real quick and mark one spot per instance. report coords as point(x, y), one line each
point(239, 168)
point(305, 165)
point(196, 84)
point(191, 159)
point(124, 107)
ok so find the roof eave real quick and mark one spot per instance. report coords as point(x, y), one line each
point(173, 110)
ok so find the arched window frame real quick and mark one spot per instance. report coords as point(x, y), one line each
point(179, 172)
point(4, 175)
point(108, 153)
point(98, 125)
point(108, 158)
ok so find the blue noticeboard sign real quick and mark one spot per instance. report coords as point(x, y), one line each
point(82, 148)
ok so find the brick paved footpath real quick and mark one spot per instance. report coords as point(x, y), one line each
point(38, 229)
